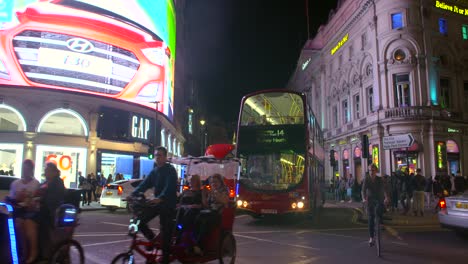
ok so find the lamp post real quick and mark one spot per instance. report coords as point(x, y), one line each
point(202, 136)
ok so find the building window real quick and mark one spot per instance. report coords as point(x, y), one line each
point(397, 21)
point(340, 61)
point(445, 93)
point(402, 90)
point(465, 32)
point(443, 26)
point(370, 99)
point(363, 40)
point(335, 116)
point(356, 102)
point(351, 52)
point(346, 116)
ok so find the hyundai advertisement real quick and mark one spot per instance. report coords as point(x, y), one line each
point(123, 49)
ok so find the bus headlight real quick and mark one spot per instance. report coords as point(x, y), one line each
point(300, 205)
point(244, 204)
point(239, 203)
point(293, 205)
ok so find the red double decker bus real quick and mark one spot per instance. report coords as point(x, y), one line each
point(280, 147)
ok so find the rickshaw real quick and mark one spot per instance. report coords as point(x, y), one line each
point(64, 249)
point(219, 244)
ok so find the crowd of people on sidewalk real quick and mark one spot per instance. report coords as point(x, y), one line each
point(409, 191)
point(92, 185)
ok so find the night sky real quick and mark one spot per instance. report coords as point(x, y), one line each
point(239, 46)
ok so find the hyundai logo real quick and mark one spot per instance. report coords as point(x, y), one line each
point(80, 45)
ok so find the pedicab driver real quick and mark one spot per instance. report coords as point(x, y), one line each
point(163, 178)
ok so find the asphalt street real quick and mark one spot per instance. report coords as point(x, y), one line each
point(332, 236)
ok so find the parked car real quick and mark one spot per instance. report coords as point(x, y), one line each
point(453, 213)
point(5, 182)
point(114, 195)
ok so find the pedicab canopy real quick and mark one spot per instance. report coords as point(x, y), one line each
point(206, 166)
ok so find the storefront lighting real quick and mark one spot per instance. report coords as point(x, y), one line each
point(66, 111)
point(20, 117)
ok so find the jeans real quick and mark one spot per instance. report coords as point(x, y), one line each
point(371, 210)
point(166, 217)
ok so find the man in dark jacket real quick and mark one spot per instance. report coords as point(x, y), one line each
point(418, 183)
point(163, 178)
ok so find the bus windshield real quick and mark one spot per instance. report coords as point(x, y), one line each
point(272, 141)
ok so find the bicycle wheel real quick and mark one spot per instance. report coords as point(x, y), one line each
point(68, 252)
point(378, 242)
point(124, 258)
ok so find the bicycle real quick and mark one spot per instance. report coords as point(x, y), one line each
point(378, 209)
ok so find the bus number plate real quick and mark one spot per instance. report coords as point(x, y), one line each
point(268, 211)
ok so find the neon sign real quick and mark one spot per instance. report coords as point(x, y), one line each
point(451, 8)
point(340, 44)
point(375, 155)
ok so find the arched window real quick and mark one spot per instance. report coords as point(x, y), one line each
point(163, 137)
point(11, 119)
point(63, 121)
point(169, 143)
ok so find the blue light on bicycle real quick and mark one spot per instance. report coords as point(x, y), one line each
point(179, 227)
point(69, 220)
point(11, 230)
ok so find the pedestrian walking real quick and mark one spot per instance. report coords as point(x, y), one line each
point(419, 184)
point(428, 192)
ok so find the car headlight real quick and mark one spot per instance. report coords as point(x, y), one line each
point(155, 55)
point(300, 205)
point(239, 203)
point(150, 92)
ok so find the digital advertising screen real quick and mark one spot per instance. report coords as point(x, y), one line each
point(123, 49)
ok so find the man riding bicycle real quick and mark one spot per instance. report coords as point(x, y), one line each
point(163, 178)
point(374, 193)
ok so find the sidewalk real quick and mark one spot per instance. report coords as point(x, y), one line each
point(390, 218)
point(92, 207)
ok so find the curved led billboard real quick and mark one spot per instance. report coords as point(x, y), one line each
point(123, 49)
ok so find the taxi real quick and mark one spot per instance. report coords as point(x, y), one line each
point(454, 213)
point(114, 195)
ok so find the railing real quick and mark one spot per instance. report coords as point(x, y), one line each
point(399, 113)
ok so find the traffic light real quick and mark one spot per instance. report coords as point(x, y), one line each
point(365, 146)
point(332, 158)
point(150, 151)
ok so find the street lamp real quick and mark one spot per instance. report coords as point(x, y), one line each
point(202, 136)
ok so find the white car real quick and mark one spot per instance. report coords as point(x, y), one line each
point(5, 182)
point(114, 195)
point(454, 213)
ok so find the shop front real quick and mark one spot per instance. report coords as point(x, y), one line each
point(357, 154)
point(346, 168)
point(11, 156)
point(130, 165)
point(69, 160)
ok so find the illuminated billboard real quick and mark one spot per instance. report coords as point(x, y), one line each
point(123, 49)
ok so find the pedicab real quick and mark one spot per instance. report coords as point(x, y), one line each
point(219, 244)
point(64, 249)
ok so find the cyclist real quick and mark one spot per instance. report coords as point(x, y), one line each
point(374, 192)
point(163, 178)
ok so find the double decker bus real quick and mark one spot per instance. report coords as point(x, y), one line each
point(280, 147)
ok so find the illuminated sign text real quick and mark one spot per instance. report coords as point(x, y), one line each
point(451, 8)
point(340, 44)
point(140, 127)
